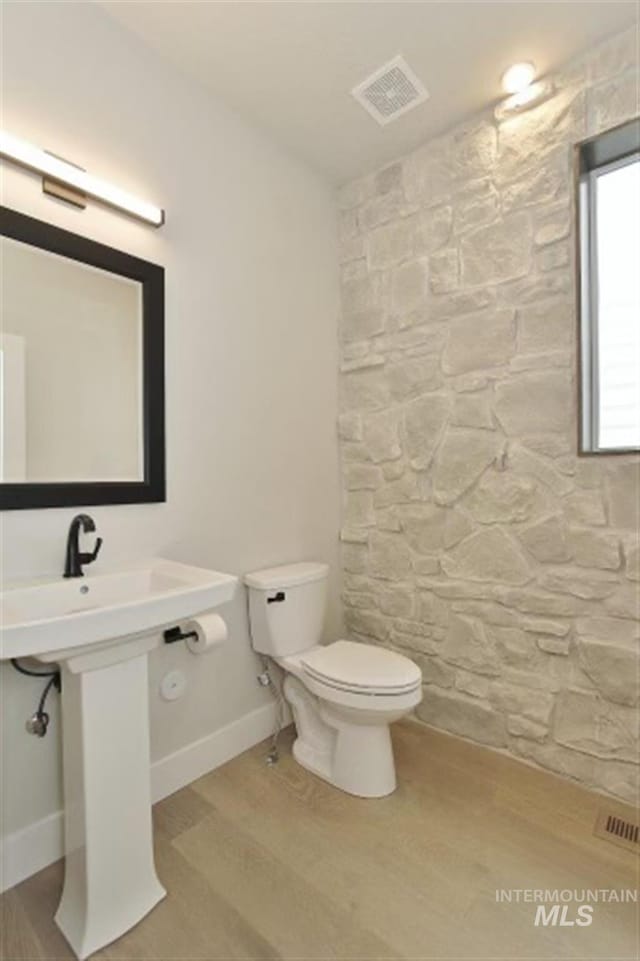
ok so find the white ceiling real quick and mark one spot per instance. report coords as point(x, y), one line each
point(289, 66)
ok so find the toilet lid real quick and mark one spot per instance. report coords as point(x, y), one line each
point(362, 667)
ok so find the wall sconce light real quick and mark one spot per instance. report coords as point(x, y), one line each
point(73, 184)
point(517, 81)
point(518, 77)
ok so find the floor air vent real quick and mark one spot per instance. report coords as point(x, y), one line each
point(619, 827)
point(390, 91)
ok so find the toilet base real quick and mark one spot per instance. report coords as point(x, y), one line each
point(348, 747)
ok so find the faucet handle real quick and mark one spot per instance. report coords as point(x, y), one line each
point(96, 549)
point(89, 557)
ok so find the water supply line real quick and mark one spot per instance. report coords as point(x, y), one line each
point(38, 723)
point(266, 680)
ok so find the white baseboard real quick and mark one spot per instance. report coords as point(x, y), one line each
point(31, 849)
point(175, 771)
point(26, 852)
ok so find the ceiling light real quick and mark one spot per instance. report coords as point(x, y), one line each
point(66, 173)
point(531, 96)
point(518, 77)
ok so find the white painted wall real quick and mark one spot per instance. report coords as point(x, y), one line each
point(13, 408)
point(252, 304)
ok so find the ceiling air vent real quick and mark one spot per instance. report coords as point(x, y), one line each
point(390, 91)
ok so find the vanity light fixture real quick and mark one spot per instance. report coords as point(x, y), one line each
point(59, 174)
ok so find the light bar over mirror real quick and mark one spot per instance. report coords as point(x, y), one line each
point(63, 172)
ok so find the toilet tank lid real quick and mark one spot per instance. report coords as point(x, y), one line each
point(288, 575)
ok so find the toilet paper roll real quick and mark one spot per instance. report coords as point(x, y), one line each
point(210, 631)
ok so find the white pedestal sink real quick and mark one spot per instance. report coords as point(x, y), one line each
point(100, 630)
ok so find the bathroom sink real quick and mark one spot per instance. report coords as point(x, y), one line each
point(53, 618)
point(101, 629)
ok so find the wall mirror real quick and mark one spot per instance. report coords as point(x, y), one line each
point(609, 234)
point(81, 370)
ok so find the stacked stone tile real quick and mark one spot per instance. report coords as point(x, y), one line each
point(475, 539)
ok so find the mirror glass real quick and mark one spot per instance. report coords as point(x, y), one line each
point(71, 390)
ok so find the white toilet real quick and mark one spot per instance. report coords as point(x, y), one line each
point(343, 695)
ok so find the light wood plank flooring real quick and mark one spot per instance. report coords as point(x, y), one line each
point(270, 862)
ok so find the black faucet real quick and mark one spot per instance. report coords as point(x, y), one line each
point(74, 558)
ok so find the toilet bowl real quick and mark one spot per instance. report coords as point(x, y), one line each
point(343, 696)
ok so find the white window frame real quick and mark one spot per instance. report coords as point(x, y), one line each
point(589, 426)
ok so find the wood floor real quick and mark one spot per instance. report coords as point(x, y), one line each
point(270, 862)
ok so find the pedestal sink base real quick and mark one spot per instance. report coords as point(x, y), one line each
point(100, 629)
point(110, 878)
point(84, 941)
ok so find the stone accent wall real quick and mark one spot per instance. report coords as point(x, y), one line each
point(475, 540)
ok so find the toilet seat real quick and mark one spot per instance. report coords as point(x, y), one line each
point(361, 669)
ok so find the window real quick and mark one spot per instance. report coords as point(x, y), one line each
point(610, 290)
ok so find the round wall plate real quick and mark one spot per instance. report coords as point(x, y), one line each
point(173, 685)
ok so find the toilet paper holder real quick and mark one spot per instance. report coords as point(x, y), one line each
point(173, 634)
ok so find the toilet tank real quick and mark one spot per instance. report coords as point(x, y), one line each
point(287, 607)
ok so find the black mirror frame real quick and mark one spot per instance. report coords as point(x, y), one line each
point(28, 496)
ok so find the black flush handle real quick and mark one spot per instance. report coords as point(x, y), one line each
point(277, 598)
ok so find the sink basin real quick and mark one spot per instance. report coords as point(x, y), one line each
point(100, 629)
point(57, 616)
